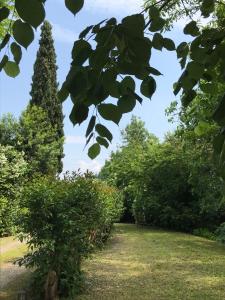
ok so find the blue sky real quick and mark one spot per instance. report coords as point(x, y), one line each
point(14, 93)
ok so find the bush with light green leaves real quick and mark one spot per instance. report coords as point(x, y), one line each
point(63, 221)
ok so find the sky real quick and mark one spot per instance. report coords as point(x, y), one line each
point(14, 93)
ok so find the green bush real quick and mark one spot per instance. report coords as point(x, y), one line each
point(62, 221)
point(205, 233)
point(220, 233)
point(12, 172)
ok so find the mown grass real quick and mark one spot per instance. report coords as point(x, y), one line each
point(148, 264)
point(143, 263)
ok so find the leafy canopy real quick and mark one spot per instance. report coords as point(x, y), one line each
point(122, 52)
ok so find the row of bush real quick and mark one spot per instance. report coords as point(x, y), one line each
point(62, 221)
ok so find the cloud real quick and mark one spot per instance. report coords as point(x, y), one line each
point(62, 34)
point(93, 166)
point(75, 139)
point(120, 7)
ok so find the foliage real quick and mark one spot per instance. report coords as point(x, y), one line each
point(44, 86)
point(62, 221)
point(220, 233)
point(9, 128)
point(39, 141)
point(12, 171)
point(122, 51)
point(124, 166)
point(205, 233)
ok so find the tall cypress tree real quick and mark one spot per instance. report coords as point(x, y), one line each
point(44, 84)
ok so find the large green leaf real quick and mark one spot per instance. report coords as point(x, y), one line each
point(126, 103)
point(134, 25)
point(23, 33)
point(195, 70)
point(157, 24)
point(31, 11)
point(148, 87)
point(169, 44)
point(219, 115)
point(4, 13)
point(81, 52)
point(11, 69)
point(94, 151)
point(191, 29)
point(158, 41)
point(74, 5)
point(182, 50)
point(79, 113)
point(207, 7)
point(110, 112)
point(104, 132)
point(85, 32)
point(102, 141)
point(16, 51)
point(127, 85)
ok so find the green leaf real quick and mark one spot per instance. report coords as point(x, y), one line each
point(104, 132)
point(154, 71)
point(148, 87)
point(31, 11)
point(169, 44)
point(126, 103)
point(81, 52)
point(5, 41)
point(134, 25)
point(191, 29)
point(85, 32)
point(110, 112)
point(94, 151)
point(63, 93)
point(195, 70)
point(207, 7)
point(157, 24)
point(91, 126)
point(23, 33)
point(4, 13)
point(79, 113)
point(11, 69)
point(127, 85)
point(3, 62)
point(157, 41)
point(102, 141)
point(182, 50)
point(74, 5)
point(188, 97)
point(16, 51)
point(153, 12)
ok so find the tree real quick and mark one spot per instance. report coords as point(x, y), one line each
point(44, 86)
point(39, 141)
point(123, 51)
point(124, 167)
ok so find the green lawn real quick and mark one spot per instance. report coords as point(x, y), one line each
point(144, 263)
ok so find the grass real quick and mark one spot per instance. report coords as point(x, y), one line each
point(143, 263)
point(148, 264)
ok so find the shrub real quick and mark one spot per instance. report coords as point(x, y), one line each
point(220, 233)
point(205, 233)
point(12, 170)
point(62, 221)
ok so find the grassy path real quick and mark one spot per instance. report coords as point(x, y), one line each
point(140, 263)
point(146, 264)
